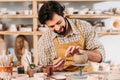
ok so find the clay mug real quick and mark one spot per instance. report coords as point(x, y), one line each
point(80, 58)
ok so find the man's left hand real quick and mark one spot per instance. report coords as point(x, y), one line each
point(58, 64)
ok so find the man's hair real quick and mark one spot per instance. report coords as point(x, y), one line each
point(48, 9)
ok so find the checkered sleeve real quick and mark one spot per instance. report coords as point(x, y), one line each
point(92, 41)
point(46, 51)
point(42, 57)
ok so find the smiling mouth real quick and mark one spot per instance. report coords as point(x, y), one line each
point(60, 30)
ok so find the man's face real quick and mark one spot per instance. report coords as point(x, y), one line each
point(57, 24)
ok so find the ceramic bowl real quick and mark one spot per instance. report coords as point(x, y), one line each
point(59, 77)
point(80, 58)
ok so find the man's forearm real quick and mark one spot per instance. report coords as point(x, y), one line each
point(94, 55)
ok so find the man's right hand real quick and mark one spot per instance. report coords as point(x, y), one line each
point(58, 64)
point(71, 50)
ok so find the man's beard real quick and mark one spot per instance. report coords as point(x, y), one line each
point(61, 33)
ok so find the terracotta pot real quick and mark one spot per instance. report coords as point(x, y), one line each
point(80, 58)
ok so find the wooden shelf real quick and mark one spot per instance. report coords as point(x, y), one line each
point(14, 0)
point(21, 33)
point(99, 34)
point(39, 33)
point(16, 16)
point(108, 33)
point(14, 33)
point(92, 16)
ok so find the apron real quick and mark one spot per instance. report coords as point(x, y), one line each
point(61, 49)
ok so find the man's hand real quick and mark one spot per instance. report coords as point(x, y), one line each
point(58, 64)
point(71, 50)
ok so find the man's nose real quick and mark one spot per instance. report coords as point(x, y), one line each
point(57, 27)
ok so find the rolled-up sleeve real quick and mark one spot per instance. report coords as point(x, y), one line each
point(92, 41)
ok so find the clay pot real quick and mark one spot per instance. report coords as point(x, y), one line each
point(80, 58)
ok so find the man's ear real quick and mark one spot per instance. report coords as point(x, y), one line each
point(64, 14)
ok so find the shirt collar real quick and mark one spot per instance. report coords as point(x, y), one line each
point(72, 32)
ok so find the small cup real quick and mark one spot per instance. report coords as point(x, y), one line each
point(12, 13)
point(98, 12)
point(82, 12)
point(91, 12)
point(12, 28)
point(31, 12)
point(48, 69)
point(26, 12)
point(3, 10)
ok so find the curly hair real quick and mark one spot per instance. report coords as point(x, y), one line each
point(48, 9)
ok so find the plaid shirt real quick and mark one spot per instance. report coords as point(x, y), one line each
point(46, 49)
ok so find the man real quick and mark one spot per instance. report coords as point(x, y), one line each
point(64, 38)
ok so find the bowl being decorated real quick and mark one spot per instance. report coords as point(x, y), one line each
point(80, 58)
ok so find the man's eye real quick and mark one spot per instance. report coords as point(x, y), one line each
point(51, 26)
point(59, 22)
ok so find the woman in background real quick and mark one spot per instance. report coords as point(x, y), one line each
point(3, 46)
point(21, 43)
